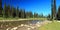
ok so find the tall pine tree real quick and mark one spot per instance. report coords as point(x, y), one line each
point(0, 8)
point(53, 9)
point(4, 9)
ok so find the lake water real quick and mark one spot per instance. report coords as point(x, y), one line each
point(4, 25)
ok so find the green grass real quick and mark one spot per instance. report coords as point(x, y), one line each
point(1, 18)
point(52, 26)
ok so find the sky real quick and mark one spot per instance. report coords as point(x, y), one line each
point(37, 6)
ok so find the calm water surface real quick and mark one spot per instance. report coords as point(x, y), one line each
point(4, 25)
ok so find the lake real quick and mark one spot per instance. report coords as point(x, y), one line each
point(7, 24)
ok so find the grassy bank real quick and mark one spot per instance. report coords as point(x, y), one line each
point(52, 26)
point(1, 18)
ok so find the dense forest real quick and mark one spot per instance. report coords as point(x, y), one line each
point(15, 12)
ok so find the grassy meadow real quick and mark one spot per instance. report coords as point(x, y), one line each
point(51, 26)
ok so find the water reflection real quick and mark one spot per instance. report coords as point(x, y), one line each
point(5, 25)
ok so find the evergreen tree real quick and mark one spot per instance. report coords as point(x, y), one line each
point(53, 9)
point(48, 16)
point(0, 8)
point(59, 11)
point(14, 12)
point(29, 14)
point(9, 10)
point(4, 9)
point(35, 15)
point(22, 13)
point(58, 14)
point(17, 12)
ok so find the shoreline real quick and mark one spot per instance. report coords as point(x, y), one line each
point(21, 19)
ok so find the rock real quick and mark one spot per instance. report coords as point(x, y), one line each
point(15, 28)
point(28, 28)
point(22, 24)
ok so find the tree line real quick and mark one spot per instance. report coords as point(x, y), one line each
point(11, 11)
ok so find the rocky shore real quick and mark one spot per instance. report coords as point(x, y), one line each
point(29, 26)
